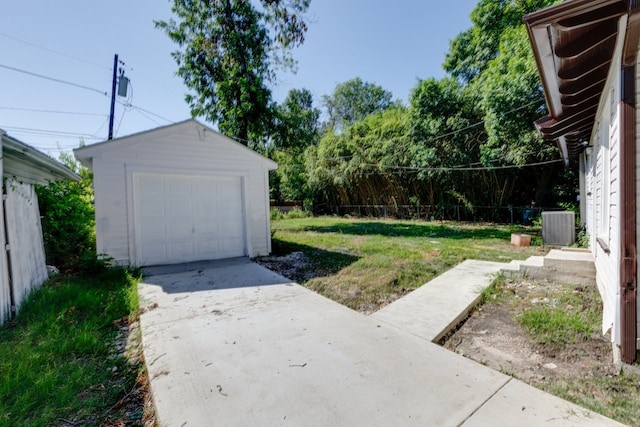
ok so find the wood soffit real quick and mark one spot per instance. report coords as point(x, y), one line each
point(574, 43)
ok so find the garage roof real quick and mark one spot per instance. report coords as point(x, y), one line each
point(574, 43)
point(87, 153)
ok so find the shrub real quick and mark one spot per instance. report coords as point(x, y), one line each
point(294, 213)
point(275, 214)
point(68, 224)
point(297, 213)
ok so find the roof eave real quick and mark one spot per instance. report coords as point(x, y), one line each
point(85, 154)
point(571, 59)
point(48, 165)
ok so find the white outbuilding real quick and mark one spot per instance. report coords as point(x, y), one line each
point(179, 193)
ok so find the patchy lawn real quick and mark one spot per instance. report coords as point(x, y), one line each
point(368, 263)
point(72, 357)
point(549, 335)
point(546, 334)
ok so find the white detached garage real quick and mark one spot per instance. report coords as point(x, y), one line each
point(179, 193)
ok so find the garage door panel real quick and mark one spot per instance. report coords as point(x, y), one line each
point(227, 248)
point(180, 231)
point(207, 229)
point(156, 252)
point(205, 207)
point(177, 186)
point(187, 218)
point(228, 228)
point(153, 231)
point(149, 185)
point(181, 251)
point(179, 207)
point(203, 188)
point(152, 206)
point(227, 190)
point(208, 247)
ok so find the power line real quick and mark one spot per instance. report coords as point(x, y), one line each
point(149, 118)
point(53, 51)
point(544, 150)
point(135, 107)
point(45, 132)
point(126, 104)
point(95, 134)
point(35, 110)
point(482, 122)
point(19, 70)
point(451, 169)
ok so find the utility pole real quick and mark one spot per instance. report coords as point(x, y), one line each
point(113, 95)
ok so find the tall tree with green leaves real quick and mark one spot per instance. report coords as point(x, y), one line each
point(363, 164)
point(353, 100)
point(471, 50)
point(297, 128)
point(228, 53)
point(297, 121)
point(493, 61)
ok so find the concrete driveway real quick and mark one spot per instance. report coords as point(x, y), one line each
point(231, 343)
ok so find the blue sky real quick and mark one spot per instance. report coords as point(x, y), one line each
point(390, 44)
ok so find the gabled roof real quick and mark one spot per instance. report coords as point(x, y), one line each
point(29, 165)
point(87, 153)
point(574, 43)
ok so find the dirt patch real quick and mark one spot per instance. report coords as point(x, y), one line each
point(492, 337)
point(579, 368)
point(135, 408)
point(294, 266)
point(343, 287)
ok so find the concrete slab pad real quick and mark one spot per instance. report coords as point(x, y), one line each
point(557, 254)
point(439, 305)
point(279, 354)
point(518, 404)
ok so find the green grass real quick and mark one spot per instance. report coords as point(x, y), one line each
point(364, 263)
point(613, 396)
point(57, 360)
point(566, 317)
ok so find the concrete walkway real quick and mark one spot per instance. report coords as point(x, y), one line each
point(231, 343)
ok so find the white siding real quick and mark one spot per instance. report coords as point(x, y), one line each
point(603, 217)
point(28, 264)
point(638, 188)
point(186, 148)
point(5, 293)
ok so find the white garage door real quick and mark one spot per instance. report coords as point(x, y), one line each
point(182, 218)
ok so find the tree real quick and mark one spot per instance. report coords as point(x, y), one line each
point(360, 165)
point(512, 100)
point(228, 52)
point(471, 50)
point(493, 61)
point(353, 100)
point(445, 134)
point(297, 121)
point(297, 127)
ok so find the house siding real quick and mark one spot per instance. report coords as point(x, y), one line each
point(5, 291)
point(185, 150)
point(603, 218)
point(637, 190)
point(28, 264)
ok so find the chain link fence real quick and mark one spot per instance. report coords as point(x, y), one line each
point(500, 214)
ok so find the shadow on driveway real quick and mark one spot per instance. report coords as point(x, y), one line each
point(211, 275)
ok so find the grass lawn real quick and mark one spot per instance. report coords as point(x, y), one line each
point(58, 363)
point(366, 263)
